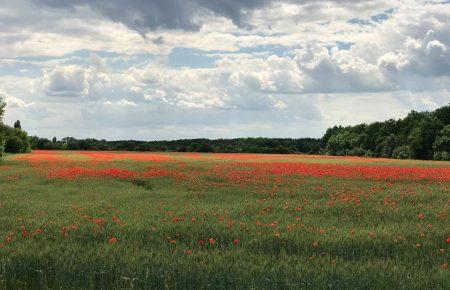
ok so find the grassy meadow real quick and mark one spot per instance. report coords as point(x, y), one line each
point(100, 220)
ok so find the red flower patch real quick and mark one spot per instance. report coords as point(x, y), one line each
point(111, 156)
point(38, 156)
point(78, 172)
point(342, 171)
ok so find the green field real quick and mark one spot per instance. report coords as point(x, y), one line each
point(150, 220)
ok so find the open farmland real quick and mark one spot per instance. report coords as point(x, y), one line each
point(188, 220)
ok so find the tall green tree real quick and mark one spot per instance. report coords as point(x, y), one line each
point(2, 109)
point(17, 125)
point(16, 140)
point(423, 136)
point(342, 142)
point(2, 136)
point(442, 145)
point(13, 144)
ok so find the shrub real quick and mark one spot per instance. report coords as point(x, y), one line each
point(13, 144)
point(358, 151)
point(441, 155)
point(2, 144)
point(402, 152)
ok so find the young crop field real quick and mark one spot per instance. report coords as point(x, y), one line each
point(188, 220)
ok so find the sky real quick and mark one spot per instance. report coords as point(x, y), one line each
point(173, 69)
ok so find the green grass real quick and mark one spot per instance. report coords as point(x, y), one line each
point(294, 232)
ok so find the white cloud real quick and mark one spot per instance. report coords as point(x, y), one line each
point(13, 102)
point(17, 108)
point(69, 81)
point(121, 103)
point(157, 96)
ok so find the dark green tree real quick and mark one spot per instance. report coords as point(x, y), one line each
point(442, 145)
point(12, 135)
point(13, 144)
point(17, 125)
point(205, 147)
point(387, 146)
point(443, 114)
point(2, 135)
point(423, 136)
point(2, 109)
point(342, 142)
point(402, 152)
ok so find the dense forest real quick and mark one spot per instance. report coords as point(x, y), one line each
point(420, 135)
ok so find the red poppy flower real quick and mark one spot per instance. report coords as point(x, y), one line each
point(37, 231)
point(116, 220)
point(100, 221)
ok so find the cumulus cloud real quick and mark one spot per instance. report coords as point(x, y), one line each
point(80, 81)
point(17, 108)
point(13, 102)
point(67, 81)
point(274, 74)
point(338, 71)
point(428, 56)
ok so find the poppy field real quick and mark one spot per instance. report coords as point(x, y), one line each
point(74, 219)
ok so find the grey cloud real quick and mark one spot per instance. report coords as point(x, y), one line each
point(159, 40)
point(144, 15)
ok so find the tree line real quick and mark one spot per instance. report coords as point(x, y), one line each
point(238, 145)
point(420, 135)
